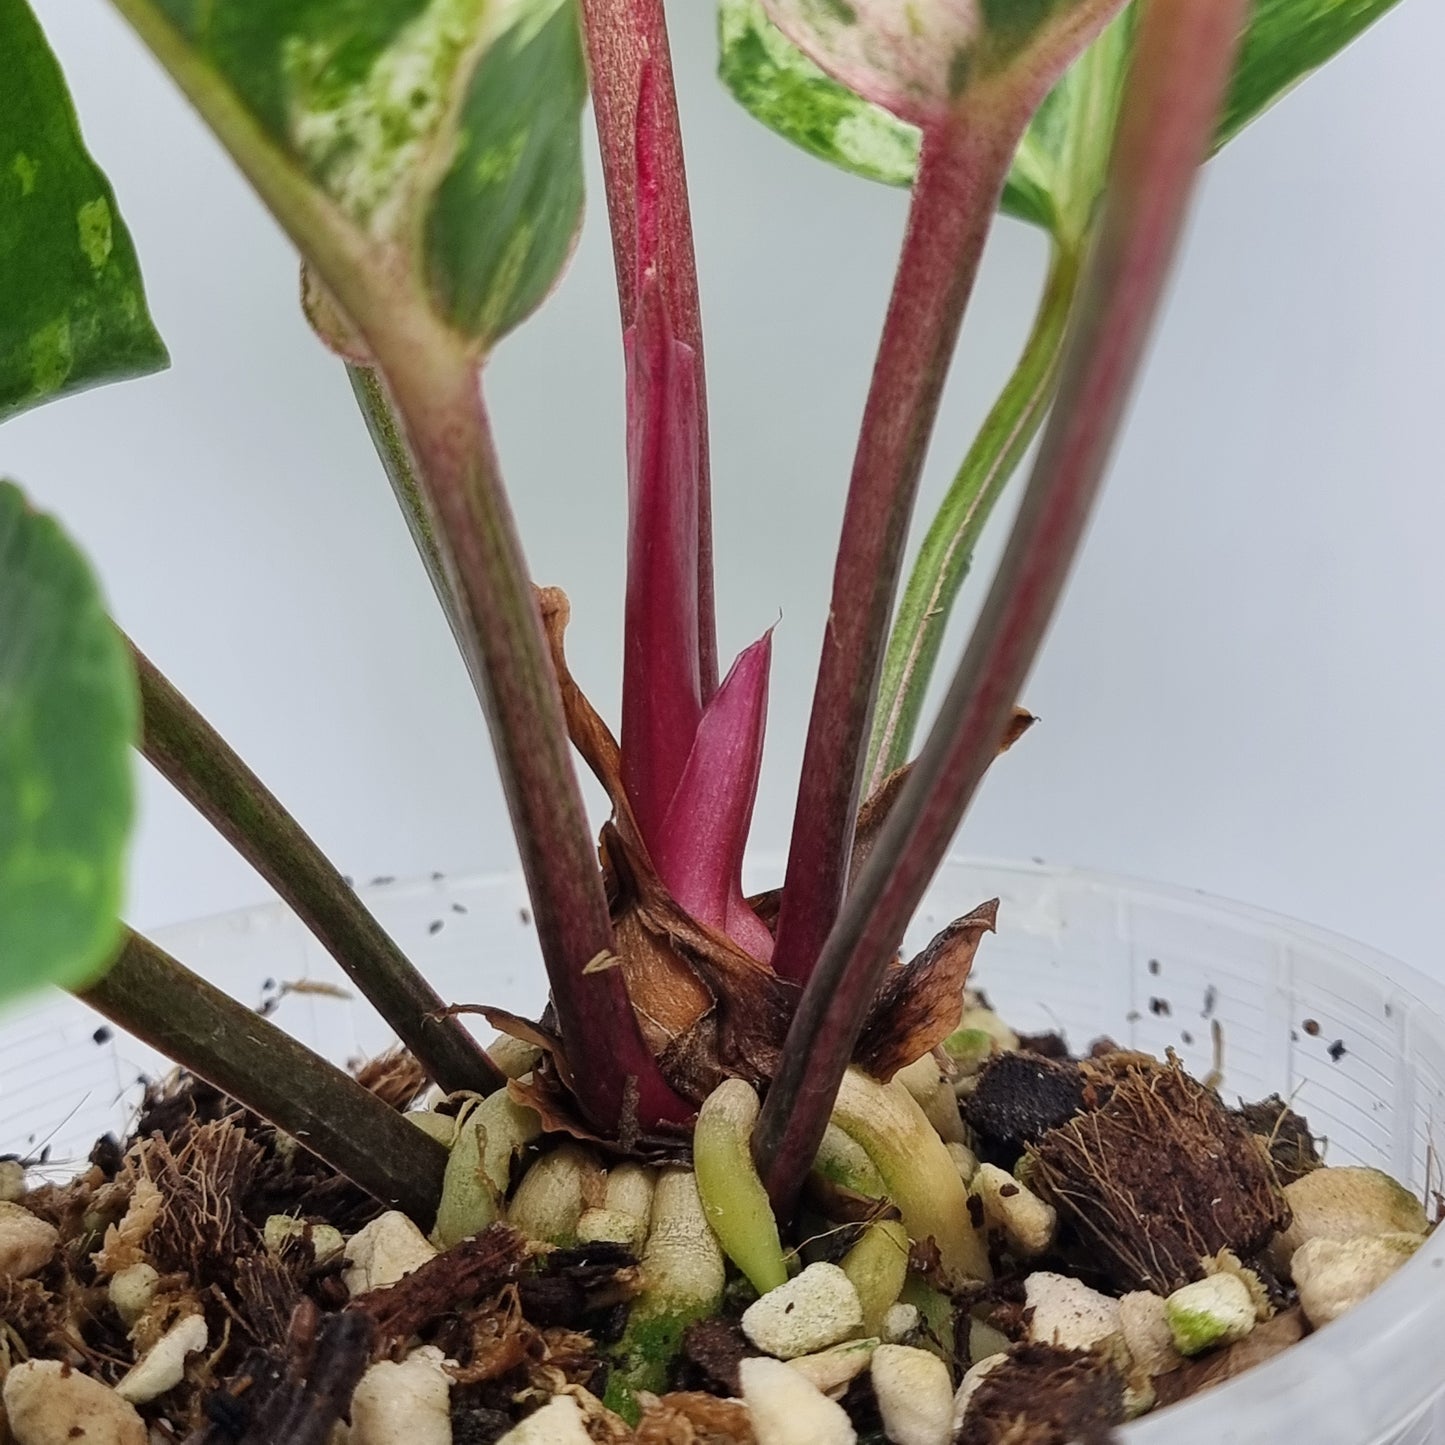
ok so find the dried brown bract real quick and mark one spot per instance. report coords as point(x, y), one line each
point(686, 1417)
point(395, 1077)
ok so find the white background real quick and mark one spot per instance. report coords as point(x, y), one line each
point(1245, 691)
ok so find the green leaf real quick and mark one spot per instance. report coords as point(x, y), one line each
point(439, 141)
point(69, 718)
point(72, 307)
point(1286, 40)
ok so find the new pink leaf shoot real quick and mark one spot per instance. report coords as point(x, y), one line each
point(699, 851)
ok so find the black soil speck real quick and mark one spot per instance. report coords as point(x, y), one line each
point(1185, 1037)
point(525, 915)
point(1211, 998)
point(1337, 1051)
point(382, 879)
point(1159, 1007)
point(436, 925)
point(102, 1035)
point(1154, 967)
point(459, 907)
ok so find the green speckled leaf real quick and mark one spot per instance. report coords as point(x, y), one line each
point(781, 87)
point(69, 718)
point(72, 307)
point(446, 133)
point(1286, 40)
point(520, 168)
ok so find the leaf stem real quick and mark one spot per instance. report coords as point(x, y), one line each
point(147, 993)
point(947, 553)
point(439, 402)
point(384, 430)
point(1176, 79)
point(960, 178)
point(627, 41)
point(192, 756)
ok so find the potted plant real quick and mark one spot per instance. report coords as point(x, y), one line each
point(751, 1100)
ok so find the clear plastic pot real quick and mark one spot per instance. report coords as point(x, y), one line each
point(1355, 1040)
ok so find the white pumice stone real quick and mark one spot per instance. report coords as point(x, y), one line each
point(132, 1289)
point(900, 1321)
point(48, 1403)
point(26, 1243)
point(973, 1377)
point(327, 1241)
point(1215, 1311)
point(1147, 1334)
point(558, 1422)
point(1334, 1275)
point(163, 1366)
point(784, 1408)
point(1345, 1203)
point(812, 1311)
point(915, 1395)
point(831, 1369)
point(386, 1250)
point(1013, 1208)
point(12, 1181)
point(1069, 1313)
point(964, 1160)
point(408, 1401)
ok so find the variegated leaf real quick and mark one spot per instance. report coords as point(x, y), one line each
point(1057, 174)
point(444, 134)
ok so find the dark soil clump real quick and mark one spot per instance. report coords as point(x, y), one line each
point(1130, 1175)
point(1291, 1145)
point(1018, 1099)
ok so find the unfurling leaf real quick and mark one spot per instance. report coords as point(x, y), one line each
point(69, 718)
point(73, 310)
point(699, 850)
point(437, 139)
point(661, 682)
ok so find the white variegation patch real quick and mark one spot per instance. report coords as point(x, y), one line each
point(368, 143)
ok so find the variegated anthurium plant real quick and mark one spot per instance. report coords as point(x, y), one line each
point(425, 157)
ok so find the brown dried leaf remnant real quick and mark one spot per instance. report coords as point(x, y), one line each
point(921, 1003)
